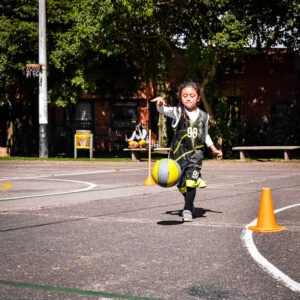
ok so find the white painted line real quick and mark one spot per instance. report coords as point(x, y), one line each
point(263, 262)
point(72, 174)
point(265, 178)
point(97, 172)
point(89, 187)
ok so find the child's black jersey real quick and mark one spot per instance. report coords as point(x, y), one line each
point(188, 141)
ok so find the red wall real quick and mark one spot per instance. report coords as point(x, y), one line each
point(268, 80)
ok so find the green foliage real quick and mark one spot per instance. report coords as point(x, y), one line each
point(227, 127)
point(270, 23)
point(103, 33)
point(233, 37)
point(18, 31)
point(120, 46)
point(84, 36)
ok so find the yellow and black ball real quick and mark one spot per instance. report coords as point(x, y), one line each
point(166, 172)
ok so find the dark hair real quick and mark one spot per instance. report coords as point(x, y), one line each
point(183, 85)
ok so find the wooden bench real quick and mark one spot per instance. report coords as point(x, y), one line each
point(159, 149)
point(136, 152)
point(286, 150)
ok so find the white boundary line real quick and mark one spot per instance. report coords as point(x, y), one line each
point(263, 262)
point(45, 177)
point(70, 174)
point(90, 186)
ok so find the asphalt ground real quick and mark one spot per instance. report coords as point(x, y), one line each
point(89, 230)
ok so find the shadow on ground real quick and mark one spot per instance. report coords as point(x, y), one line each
point(198, 213)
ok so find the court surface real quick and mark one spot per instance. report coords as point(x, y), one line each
point(89, 230)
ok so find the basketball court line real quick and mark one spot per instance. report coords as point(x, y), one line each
point(92, 185)
point(89, 187)
point(72, 174)
point(272, 177)
point(262, 261)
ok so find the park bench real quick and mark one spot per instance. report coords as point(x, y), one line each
point(136, 152)
point(286, 150)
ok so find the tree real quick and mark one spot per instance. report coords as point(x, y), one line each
point(86, 36)
point(216, 35)
point(107, 39)
point(212, 32)
point(119, 46)
point(18, 34)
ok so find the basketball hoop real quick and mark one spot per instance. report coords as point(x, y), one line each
point(33, 70)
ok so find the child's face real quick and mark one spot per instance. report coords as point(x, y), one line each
point(189, 98)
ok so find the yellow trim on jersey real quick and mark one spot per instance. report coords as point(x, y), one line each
point(192, 183)
point(184, 154)
point(179, 143)
point(182, 190)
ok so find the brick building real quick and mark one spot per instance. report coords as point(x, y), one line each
point(266, 91)
point(268, 94)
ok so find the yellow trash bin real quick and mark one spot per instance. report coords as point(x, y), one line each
point(83, 139)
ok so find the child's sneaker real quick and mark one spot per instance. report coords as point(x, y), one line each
point(187, 216)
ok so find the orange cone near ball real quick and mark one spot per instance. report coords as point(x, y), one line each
point(266, 221)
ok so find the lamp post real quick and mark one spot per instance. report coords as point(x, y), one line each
point(40, 70)
point(43, 105)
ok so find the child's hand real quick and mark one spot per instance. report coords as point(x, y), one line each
point(215, 152)
point(159, 101)
point(218, 154)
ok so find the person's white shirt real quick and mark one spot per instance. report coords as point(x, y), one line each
point(136, 136)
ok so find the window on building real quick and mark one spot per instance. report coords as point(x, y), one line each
point(84, 115)
point(124, 118)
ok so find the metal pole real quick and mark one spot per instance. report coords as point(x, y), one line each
point(43, 105)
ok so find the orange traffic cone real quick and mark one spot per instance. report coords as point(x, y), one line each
point(266, 218)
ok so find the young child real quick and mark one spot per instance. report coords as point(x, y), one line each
point(138, 137)
point(190, 126)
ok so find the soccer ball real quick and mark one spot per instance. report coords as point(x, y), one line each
point(166, 172)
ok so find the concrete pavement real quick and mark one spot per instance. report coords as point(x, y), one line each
point(86, 230)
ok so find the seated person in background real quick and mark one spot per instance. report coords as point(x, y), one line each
point(138, 137)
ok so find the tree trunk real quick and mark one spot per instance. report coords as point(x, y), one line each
point(162, 128)
point(207, 77)
point(206, 105)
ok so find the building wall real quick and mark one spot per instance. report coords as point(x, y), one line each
point(102, 119)
point(267, 90)
point(271, 103)
point(268, 81)
point(114, 119)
